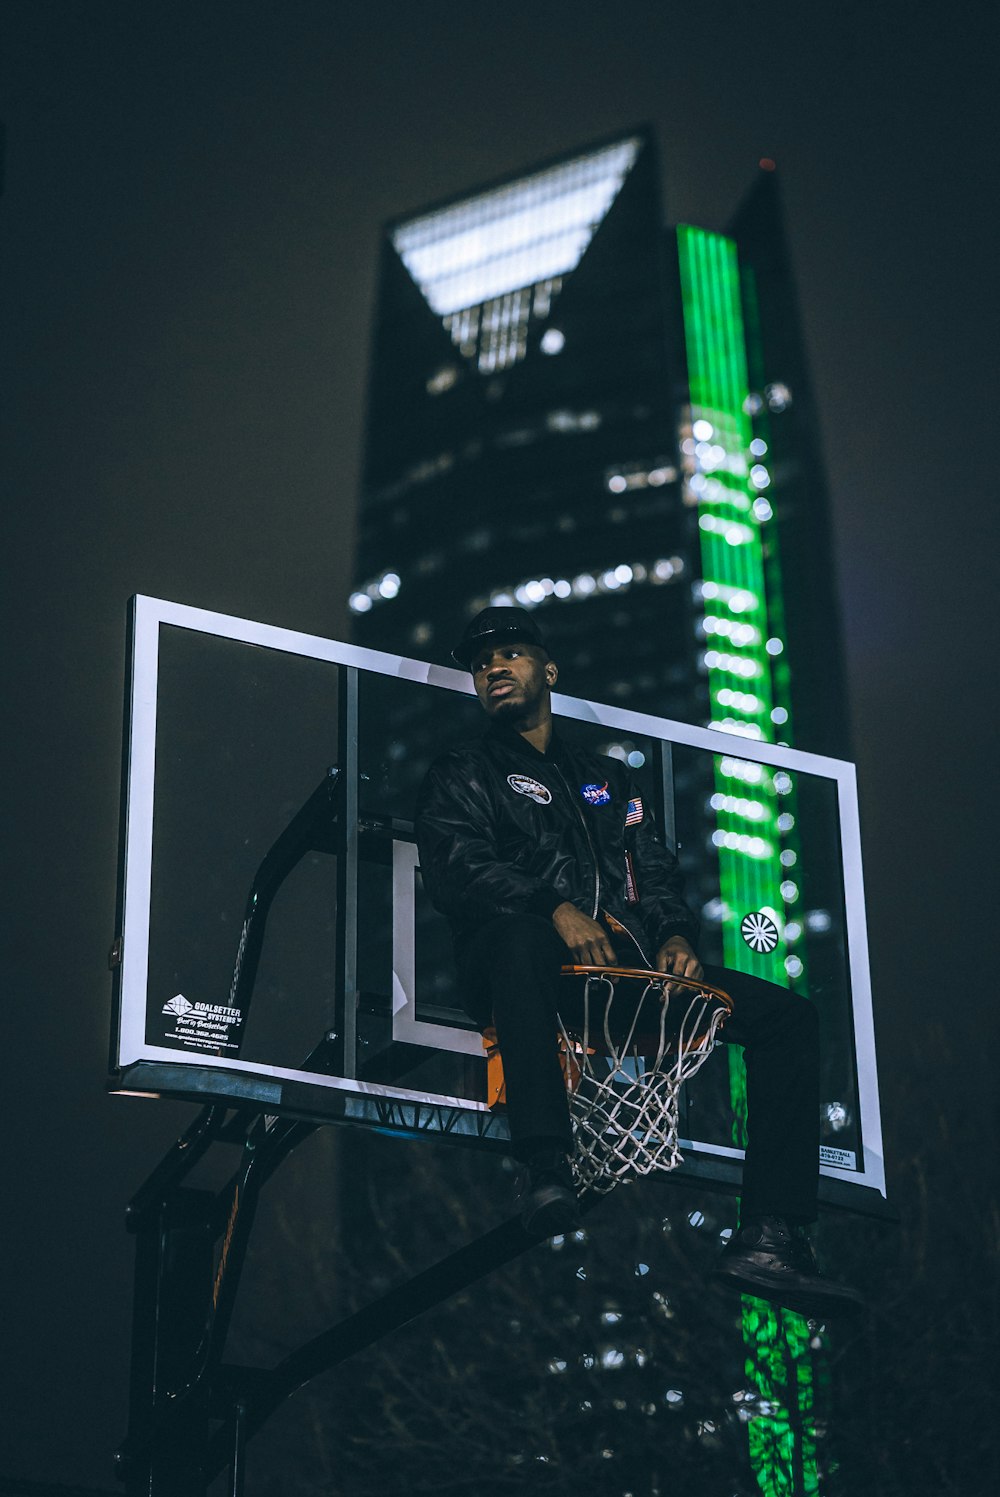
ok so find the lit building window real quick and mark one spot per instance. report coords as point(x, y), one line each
point(491, 263)
point(443, 380)
point(641, 478)
point(515, 236)
point(380, 590)
point(534, 591)
point(571, 421)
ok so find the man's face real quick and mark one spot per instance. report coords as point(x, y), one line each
point(512, 679)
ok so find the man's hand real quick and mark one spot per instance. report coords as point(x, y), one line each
point(587, 940)
point(678, 957)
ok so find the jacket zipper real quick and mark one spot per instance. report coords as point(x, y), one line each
point(638, 943)
point(597, 869)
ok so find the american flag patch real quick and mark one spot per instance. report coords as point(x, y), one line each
point(634, 812)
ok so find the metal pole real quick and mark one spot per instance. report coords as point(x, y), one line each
point(347, 870)
point(366, 1326)
point(665, 795)
point(164, 1454)
point(666, 813)
point(237, 1470)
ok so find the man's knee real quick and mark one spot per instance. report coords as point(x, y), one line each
point(532, 935)
point(510, 964)
point(765, 1009)
point(805, 1017)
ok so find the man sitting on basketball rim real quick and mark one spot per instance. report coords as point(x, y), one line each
point(541, 853)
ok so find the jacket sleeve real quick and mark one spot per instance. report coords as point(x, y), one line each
point(660, 884)
point(463, 870)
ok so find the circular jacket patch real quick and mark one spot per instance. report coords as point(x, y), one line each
point(533, 789)
point(759, 931)
point(596, 795)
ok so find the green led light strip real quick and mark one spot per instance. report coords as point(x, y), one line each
point(783, 1450)
point(740, 616)
point(742, 612)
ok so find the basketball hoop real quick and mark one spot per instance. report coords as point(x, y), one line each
point(631, 1038)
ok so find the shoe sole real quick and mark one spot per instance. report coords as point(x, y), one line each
point(825, 1299)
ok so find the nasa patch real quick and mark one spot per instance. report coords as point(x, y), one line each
point(596, 795)
point(533, 789)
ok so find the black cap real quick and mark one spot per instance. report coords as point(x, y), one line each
point(495, 624)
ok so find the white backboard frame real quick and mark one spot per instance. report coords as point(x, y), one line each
point(130, 1046)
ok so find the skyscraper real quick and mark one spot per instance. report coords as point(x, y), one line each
point(522, 434)
point(578, 410)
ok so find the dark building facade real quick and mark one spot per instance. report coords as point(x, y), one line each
point(526, 449)
point(805, 590)
point(578, 410)
point(529, 393)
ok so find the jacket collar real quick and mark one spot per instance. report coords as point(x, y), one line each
point(511, 739)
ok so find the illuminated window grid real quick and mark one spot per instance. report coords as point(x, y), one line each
point(782, 1447)
point(491, 263)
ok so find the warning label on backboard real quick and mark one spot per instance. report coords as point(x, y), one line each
point(211, 1027)
point(841, 1159)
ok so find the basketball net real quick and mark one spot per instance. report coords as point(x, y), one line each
point(624, 1085)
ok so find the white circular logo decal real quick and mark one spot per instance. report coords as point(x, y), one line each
point(759, 931)
point(533, 789)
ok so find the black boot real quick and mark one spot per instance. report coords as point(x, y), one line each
point(769, 1258)
point(546, 1198)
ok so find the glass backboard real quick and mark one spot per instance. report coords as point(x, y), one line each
point(276, 946)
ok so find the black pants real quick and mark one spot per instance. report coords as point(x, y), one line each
point(510, 975)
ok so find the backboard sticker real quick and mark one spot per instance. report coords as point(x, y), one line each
point(533, 789)
point(841, 1159)
point(212, 1027)
point(759, 931)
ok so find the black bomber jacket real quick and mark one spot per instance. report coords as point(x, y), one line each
point(504, 829)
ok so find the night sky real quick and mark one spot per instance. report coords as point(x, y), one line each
point(192, 208)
